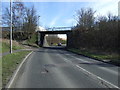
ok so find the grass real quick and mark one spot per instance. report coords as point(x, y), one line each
point(9, 64)
point(0, 73)
point(113, 58)
point(32, 41)
point(5, 46)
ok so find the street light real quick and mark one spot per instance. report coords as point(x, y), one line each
point(10, 26)
point(38, 28)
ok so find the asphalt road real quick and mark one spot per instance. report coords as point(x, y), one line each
point(57, 68)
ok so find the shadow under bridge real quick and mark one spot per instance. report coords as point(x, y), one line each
point(53, 31)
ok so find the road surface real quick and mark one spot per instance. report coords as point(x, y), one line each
point(57, 68)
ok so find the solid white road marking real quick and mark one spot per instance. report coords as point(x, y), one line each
point(91, 74)
point(81, 59)
point(13, 78)
point(103, 68)
point(108, 83)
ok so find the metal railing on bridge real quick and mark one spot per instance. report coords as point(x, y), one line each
point(59, 28)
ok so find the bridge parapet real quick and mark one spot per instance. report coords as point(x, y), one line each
point(59, 29)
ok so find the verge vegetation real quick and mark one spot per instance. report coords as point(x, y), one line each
point(0, 73)
point(112, 58)
point(5, 47)
point(10, 63)
point(32, 41)
point(97, 37)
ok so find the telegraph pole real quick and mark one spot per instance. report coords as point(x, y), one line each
point(10, 26)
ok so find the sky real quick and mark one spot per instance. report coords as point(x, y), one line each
point(119, 9)
point(62, 13)
point(55, 14)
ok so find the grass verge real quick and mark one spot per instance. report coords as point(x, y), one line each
point(6, 47)
point(0, 73)
point(9, 64)
point(113, 58)
point(32, 42)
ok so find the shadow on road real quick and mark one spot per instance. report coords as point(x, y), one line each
point(55, 47)
point(53, 50)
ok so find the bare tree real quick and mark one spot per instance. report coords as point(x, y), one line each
point(24, 20)
point(17, 14)
point(85, 17)
point(103, 36)
point(30, 21)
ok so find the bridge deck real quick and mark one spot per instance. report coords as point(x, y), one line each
point(56, 32)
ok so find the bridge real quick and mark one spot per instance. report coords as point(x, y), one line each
point(55, 30)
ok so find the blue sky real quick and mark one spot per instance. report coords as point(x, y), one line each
point(58, 13)
point(62, 13)
point(55, 14)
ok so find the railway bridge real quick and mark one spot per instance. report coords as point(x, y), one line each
point(55, 30)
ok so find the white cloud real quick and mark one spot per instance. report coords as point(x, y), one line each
point(105, 6)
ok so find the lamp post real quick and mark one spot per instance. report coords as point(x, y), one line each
point(38, 32)
point(10, 26)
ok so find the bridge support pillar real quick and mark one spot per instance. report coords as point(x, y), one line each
point(69, 34)
point(42, 35)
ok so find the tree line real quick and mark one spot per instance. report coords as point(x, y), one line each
point(95, 33)
point(24, 21)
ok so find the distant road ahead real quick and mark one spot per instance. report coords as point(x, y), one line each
point(56, 68)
